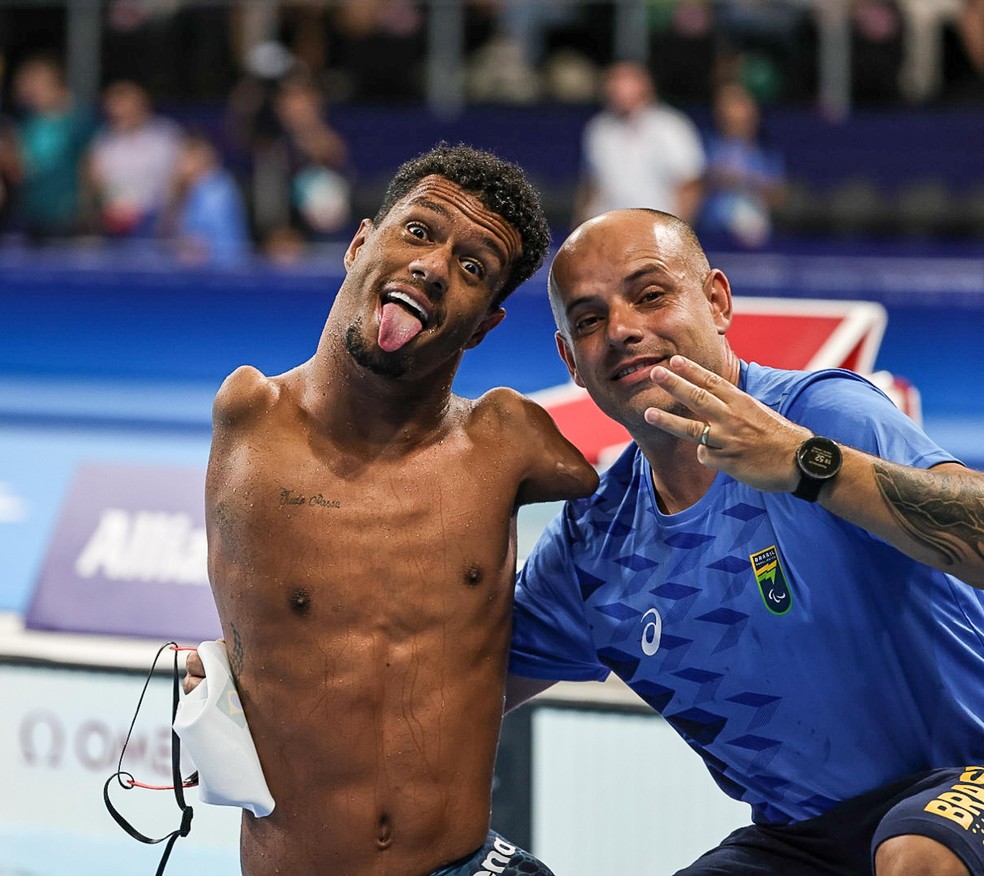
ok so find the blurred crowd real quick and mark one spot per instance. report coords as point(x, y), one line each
point(125, 172)
point(271, 173)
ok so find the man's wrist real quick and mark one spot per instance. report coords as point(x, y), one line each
point(818, 461)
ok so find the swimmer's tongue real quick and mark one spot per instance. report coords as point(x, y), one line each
point(397, 327)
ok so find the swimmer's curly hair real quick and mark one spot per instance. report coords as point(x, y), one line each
point(500, 185)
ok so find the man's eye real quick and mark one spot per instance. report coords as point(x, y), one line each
point(474, 267)
point(585, 323)
point(652, 295)
point(417, 230)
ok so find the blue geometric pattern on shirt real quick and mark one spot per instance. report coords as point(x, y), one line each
point(682, 597)
point(763, 706)
point(588, 583)
point(744, 511)
point(627, 617)
point(637, 563)
point(733, 622)
point(752, 515)
point(706, 683)
point(673, 650)
point(657, 695)
point(618, 610)
point(691, 548)
point(622, 664)
point(697, 724)
point(737, 567)
point(734, 565)
point(766, 749)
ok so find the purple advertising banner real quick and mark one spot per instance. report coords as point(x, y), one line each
point(128, 556)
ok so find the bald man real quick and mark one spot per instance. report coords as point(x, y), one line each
point(779, 564)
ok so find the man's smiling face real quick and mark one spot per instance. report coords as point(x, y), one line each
point(628, 291)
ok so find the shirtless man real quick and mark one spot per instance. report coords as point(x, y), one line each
point(362, 539)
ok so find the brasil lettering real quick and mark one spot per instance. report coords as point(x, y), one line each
point(964, 802)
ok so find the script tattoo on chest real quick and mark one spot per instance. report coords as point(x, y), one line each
point(297, 498)
point(938, 511)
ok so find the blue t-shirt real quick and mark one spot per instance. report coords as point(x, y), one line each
point(214, 217)
point(804, 659)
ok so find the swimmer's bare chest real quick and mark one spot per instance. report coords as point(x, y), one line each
point(304, 520)
point(366, 603)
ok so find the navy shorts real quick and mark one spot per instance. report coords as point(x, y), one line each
point(497, 857)
point(945, 805)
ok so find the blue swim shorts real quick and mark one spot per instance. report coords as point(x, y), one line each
point(496, 857)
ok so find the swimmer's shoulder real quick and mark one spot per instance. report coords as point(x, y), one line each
point(245, 395)
point(505, 408)
point(553, 468)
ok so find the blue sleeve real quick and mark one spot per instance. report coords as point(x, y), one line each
point(847, 408)
point(551, 638)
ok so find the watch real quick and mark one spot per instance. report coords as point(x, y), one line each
point(819, 461)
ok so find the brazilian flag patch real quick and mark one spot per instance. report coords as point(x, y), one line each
point(772, 583)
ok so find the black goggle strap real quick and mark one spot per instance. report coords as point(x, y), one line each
point(127, 781)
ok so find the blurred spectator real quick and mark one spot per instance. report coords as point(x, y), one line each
point(207, 217)
point(743, 181)
point(131, 163)
point(250, 120)
point(314, 159)
point(638, 152)
point(296, 163)
point(52, 137)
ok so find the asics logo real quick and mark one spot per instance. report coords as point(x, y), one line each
point(652, 631)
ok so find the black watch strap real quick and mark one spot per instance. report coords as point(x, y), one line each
point(808, 488)
point(818, 460)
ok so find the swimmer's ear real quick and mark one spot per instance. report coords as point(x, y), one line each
point(361, 236)
point(485, 326)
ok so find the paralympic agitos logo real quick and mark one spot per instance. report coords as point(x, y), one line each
point(771, 579)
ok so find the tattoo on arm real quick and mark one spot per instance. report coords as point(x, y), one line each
point(940, 511)
point(236, 653)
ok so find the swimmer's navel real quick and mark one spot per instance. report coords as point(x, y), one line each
point(384, 833)
point(299, 600)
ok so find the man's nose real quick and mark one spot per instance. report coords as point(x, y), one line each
point(431, 268)
point(623, 324)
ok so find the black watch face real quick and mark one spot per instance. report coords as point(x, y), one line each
point(820, 458)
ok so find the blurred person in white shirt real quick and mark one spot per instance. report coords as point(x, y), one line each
point(638, 152)
point(130, 164)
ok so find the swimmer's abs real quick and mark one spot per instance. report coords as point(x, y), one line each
point(350, 836)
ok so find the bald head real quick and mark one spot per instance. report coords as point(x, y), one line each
point(616, 236)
